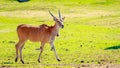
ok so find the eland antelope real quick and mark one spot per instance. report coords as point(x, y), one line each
point(43, 34)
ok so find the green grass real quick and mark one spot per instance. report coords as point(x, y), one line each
point(91, 28)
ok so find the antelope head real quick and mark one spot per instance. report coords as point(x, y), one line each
point(59, 20)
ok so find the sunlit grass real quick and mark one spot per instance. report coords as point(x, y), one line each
point(91, 26)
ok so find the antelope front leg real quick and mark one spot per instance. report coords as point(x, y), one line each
point(53, 48)
point(41, 50)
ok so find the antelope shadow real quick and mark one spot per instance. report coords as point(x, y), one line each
point(113, 47)
point(22, 0)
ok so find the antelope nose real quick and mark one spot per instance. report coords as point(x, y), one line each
point(62, 26)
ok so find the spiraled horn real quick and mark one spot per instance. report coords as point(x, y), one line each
point(51, 14)
point(59, 15)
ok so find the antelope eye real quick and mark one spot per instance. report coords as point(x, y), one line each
point(57, 21)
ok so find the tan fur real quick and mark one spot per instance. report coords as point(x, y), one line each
point(42, 33)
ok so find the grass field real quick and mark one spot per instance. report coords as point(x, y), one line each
point(91, 36)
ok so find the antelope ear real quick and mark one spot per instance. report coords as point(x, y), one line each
point(63, 18)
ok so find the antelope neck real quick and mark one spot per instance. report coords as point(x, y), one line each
point(56, 29)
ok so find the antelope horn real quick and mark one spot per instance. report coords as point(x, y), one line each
point(51, 14)
point(59, 15)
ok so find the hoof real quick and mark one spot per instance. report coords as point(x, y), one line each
point(52, 48)
point(22, 61)
point(59, 60)
point(16, 59)
point(38, 61)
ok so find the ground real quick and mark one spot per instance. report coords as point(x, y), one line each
point(90, 39)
